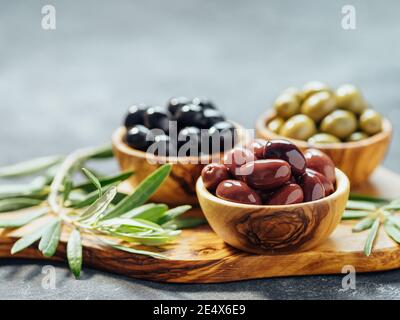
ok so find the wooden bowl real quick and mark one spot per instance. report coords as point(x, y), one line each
point(356, 159)
point(180, 187)
point(275, 229)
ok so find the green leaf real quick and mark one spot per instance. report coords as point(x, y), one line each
point(74, 253)
point(141, 252)
point(94, 212)
point(93, 179)
point(394, 220)
point(129, 225)
point(153, 213)
point(103, 152)
point(360, 205)
point(354, 214)
point(371, 237)
point(36, 188)
point(392, 231)
point(361, 197)
point(105, 181)
point(392, 207)
point(67, 188)
point(13, 204)
point(184, 223)
point(23, 218)
point(364, 224)
point(173, 213)
point(87, 200)
point(29, 239)
point(50, 239)
point(29, 167)
point(142, 193)
point(148, 239)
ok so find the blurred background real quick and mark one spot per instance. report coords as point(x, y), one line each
point(70, 87)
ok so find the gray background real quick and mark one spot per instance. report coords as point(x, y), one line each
point(69, 88)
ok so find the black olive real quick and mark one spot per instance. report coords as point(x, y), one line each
point(156, 118)
point(138, 137)
point(211, 117)
point(222, 136)
point(190, 115)
point(189, 141)
point(135, 115)
point(174, 104)
point(204, 103)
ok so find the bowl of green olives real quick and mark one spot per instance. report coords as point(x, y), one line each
point(175, 134)
point(338, 122)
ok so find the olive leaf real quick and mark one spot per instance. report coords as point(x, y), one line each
point(360, 205)
point(371, 237)
point(88, 199)
point(129, 225)
point(74, 253)
point(354, 214)
point(142, 193)
point(392, 231)
point(29, 239)
point(51, 236)
point(13, 204)
point(361, 197)
point(94, 211)
point(153, 213)
point(173, 213)
point(67, 188)
point(93, 179)
point(105, 181)
point(22, 219)
point(364, 224)
point(184, 223)
point(29, 167)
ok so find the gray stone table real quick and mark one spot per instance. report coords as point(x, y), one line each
point(69, 87)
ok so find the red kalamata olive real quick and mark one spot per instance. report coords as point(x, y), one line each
point(237, 191)
point(265, 174)
point(320, 162)
point(288, 194)
point(213, 174)
point(328, 186)
point(312, 186)
point(257, 147)
point(237, 157)
point(285, 150)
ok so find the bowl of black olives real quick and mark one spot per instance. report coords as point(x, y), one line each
point(270, 198)
point(339, 122)
point(186, 133)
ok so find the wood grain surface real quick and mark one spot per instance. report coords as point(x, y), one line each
point(200, 256)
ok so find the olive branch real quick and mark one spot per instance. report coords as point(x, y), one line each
point(95, 206)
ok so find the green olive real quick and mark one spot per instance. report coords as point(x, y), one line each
point(299, 127)
point(350, 98)
point(318, 105)
point(323, 138)
point(357, 136)
point(340, 123)
point(276, 124)
point(313, 87)
point(287, 105)
point(370, 121)
point(295, 92)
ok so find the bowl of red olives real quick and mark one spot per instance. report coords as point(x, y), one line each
point(188, 133)
point(340, 122)
point(268, 197)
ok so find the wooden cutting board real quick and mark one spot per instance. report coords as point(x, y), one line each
point(199, 256)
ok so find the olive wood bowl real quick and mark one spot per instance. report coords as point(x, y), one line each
point(356, 159)
point(180, 187)
point(283, 229)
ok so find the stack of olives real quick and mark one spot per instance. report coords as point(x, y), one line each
point(271, 173)
point(196, 120)
point(318, 114)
